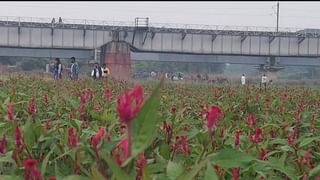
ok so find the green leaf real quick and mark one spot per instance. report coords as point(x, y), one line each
point(6, 157)
point(45, 161)
point(229, 158)
point(74, 177)
point(195, 170)
point(277, 164)
point(164, 151)
point(210, 173)
point(7, 177)
point(307, 141)
point(144, 127)
point(96, 175)
point(117, 171)
point(315, 171)
point(29, 135)
point(174, 170)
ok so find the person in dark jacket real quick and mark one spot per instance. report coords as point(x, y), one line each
point(57, 69)
point(74, 69)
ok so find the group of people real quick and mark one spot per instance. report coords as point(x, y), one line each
point(58, 69)
point(54, 20)
point(98, 72)
point(263, 80)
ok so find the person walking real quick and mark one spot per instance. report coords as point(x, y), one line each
point(243, 79)
point(106, 70)
point(57, 69)
point(74, 69)
point(264, 81)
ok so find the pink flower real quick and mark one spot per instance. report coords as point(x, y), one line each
point(32, 172)
point(18, 139)
point(214, 114)
point(185, 146)
point(96, 139)
point(125, 110)
point(32, 107)
point(235, 173)
point(237, 138)
point(141, 164)
point(3, 145)
point(124, 148)
point(72, 138)
point(251, 120)
point(107, 94)
point(10, 111)
point(256, 138)
point(263, 154)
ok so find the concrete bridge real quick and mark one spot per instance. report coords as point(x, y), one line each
point(39, 37)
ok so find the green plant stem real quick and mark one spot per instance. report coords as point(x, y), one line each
point(129, 139)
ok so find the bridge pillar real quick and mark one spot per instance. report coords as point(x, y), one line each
point(116, 55)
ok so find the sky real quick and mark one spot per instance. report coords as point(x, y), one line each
point(295, 14)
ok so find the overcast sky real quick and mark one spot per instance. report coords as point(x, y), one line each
point(292, 14)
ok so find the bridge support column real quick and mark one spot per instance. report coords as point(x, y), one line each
point(116, 55)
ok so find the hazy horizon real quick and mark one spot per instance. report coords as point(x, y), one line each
point(228, 13)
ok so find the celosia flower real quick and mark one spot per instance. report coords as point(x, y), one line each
point(235, 173)
point(10, 111)
point(237, 138)
point(214, 114)
point(141, 164)
point(32, 108)
point(32, 172)
point(185, 146)
point(96, 139)
point(256, 138)
point(251, 120)
point(18, 139)
point(263, 154)
point(3, 145)
point(72, 138)
point(125, 109)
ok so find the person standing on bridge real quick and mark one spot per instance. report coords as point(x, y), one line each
point(74, 69)
point(243, 79)
point(57, 70)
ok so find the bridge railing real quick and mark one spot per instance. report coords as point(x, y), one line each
point(132, 24)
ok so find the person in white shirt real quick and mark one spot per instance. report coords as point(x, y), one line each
point(264, 81)
point(97, 71)
point(243, 79)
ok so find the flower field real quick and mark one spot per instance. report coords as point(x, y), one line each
point(156, 130)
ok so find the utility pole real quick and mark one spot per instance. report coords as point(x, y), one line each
point(278, 16)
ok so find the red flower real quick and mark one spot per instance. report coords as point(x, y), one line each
point(18, 139)
point(141, 164)
point(273, 134)
point(256, 138)
point(3, 145)
point(10, 111)
point(307, 159)
point(174, 110)
point(32, 172)
point(237, 138)
point(167, 128)
point(107, 94)
point(251, 120)
point(72, 138)
point(291, 138)
point(263, 154)
point(185, 146)
point(125, 110)
point(235, 173)
point(124, 148)
point(214, 114)
point(96, 139)
point(32, 108)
